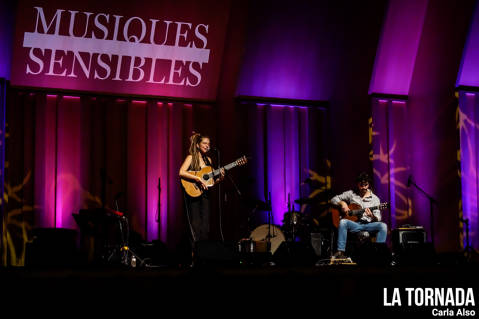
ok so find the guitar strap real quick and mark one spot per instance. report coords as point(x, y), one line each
point(206, 160)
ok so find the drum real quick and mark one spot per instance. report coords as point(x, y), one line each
point(260, 235)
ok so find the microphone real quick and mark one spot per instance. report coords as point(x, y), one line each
point(409, 181)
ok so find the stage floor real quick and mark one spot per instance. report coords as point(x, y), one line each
point(238, 290)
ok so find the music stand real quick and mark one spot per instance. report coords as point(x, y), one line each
point(98, 233)
point(100, 224)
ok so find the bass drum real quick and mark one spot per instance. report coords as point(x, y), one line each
point(260, 234)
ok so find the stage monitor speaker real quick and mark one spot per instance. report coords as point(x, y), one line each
point(316, 242)
point(210, 252)
point(322, 243)
point(410, 247)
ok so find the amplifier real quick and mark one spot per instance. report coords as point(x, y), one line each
point(408, 236)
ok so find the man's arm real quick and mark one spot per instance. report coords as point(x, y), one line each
point(343, 200)
point(376, 213)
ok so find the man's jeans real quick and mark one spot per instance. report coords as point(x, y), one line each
point(346, 225)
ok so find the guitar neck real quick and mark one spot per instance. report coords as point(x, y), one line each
point(226, 167)
point(361, 211)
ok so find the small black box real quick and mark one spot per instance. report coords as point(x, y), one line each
point(408, 236)
point(410, 247)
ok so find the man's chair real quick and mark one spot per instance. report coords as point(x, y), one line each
point(357, 240)
point(364, 250)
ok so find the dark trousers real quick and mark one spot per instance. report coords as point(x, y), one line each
point(199, 216)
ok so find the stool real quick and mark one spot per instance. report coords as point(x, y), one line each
point(356, 240)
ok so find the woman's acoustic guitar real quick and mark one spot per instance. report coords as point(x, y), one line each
point(208, 176)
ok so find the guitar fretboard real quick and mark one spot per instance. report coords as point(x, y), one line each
point(216, 172)
point(361, 211)
point(226, 167)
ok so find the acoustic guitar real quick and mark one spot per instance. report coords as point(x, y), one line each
point(355, 212)
point(208, 176)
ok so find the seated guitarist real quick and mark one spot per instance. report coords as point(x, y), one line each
point(370, 221)
point(198, 208)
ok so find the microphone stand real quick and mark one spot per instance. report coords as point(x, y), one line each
point(128, 257)
point(236, 187)
point(290, 222)
point(220, 210)
point(431, 202)
point(468, 250)
point(268, 239)
point(104, 181)
point(159, 201)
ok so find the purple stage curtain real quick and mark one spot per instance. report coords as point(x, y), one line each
point(67, 153)
point(468, 125)
point(390, 155)
point(286, 143)
point(3, 239)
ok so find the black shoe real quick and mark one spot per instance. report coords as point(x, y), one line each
point(339, 255)
point(322, 262)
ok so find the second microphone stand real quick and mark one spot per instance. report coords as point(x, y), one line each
point(468, 250)
point(432, 201)
point(270, 234)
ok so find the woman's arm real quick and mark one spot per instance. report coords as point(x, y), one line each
point(222, 173)
point(184, 173)
point(222, 176)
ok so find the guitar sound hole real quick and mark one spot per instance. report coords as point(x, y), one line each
point(206, 177)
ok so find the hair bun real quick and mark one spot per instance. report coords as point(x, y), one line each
point(194, 136)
